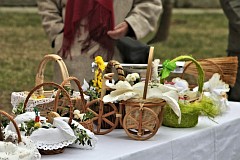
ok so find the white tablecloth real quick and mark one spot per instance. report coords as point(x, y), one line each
point(206, 141)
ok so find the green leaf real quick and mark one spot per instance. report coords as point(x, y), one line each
point(168, 67)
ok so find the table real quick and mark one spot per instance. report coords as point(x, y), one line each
point(206, 141)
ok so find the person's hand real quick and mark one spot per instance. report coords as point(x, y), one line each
point(119, 31)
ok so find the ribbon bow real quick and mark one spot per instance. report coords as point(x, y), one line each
point(168, 66)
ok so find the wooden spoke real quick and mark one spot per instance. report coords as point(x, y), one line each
point(133, 119)
point(134, 126)
point(109, 114)
point(149, 128)
point(90, 110)
point(108, 122)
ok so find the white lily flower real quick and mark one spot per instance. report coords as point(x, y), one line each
point(125, 91)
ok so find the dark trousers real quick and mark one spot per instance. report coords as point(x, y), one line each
point(234, 94)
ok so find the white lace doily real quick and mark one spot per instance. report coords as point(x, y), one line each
point(19, 97)
point(25, 150)
point(47, 139)
point(54, 138)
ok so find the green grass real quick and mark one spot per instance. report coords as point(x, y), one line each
point(24, 43)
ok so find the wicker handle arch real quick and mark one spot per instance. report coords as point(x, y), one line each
point(55, 101)
point(14, 124)
point(201, 74)
point(118, 67)
point(78, 83)
point(39, 79)
point(202, 62)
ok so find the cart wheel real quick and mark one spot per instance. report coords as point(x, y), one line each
point(141, 124)
point(97, 108)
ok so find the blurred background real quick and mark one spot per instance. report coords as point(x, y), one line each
point(197, 28)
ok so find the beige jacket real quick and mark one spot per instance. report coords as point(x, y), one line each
point(141, 15)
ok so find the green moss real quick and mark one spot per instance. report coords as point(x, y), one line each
point(190, 113)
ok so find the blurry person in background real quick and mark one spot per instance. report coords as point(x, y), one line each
point(231, 9)
point(80, 30)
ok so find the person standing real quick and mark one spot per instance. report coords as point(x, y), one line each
point(231, 9)
point(80, 30)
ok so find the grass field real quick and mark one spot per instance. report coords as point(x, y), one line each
point(23, 44)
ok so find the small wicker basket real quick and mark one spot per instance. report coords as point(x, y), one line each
point(107, 109)
point(86, 124)
point(32, 152)
point(188, 120)
point(143, 116)
point(59, 150)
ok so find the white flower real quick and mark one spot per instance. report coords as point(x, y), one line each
point(132, 77)
point(180, 84)
point(76, 111)
point(77, 114)
point(136, 75)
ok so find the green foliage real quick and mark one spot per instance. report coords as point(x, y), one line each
point(82, 137)
point(87, 116)
point(204, 107)
point(19, 109)
point(28, 127)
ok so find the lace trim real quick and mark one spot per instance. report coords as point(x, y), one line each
point(54, 146)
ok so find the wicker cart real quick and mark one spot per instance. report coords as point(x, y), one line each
point(143, 116)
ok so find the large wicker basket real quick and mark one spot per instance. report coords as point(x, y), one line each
point(47, 104)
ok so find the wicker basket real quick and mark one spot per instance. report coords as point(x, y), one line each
point(190, 72)
point(188, 119)
point(86, 124)
point(55, 105)
point(143, 116)
point(48, 105)
point(14, 124)
point(25, 142)
point(107, 109)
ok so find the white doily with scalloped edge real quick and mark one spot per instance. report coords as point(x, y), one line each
point(19, 97)
point(25, 150)
point(48, 139)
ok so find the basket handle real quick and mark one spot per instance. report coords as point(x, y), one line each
point(78, 83)
point(219, 69)
point(118, 67)
point(55, 101)
point(14, 123)
point(199, 68)
point(149, 69)
point(39, 79)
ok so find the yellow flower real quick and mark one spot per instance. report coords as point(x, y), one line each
point(97, 82)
